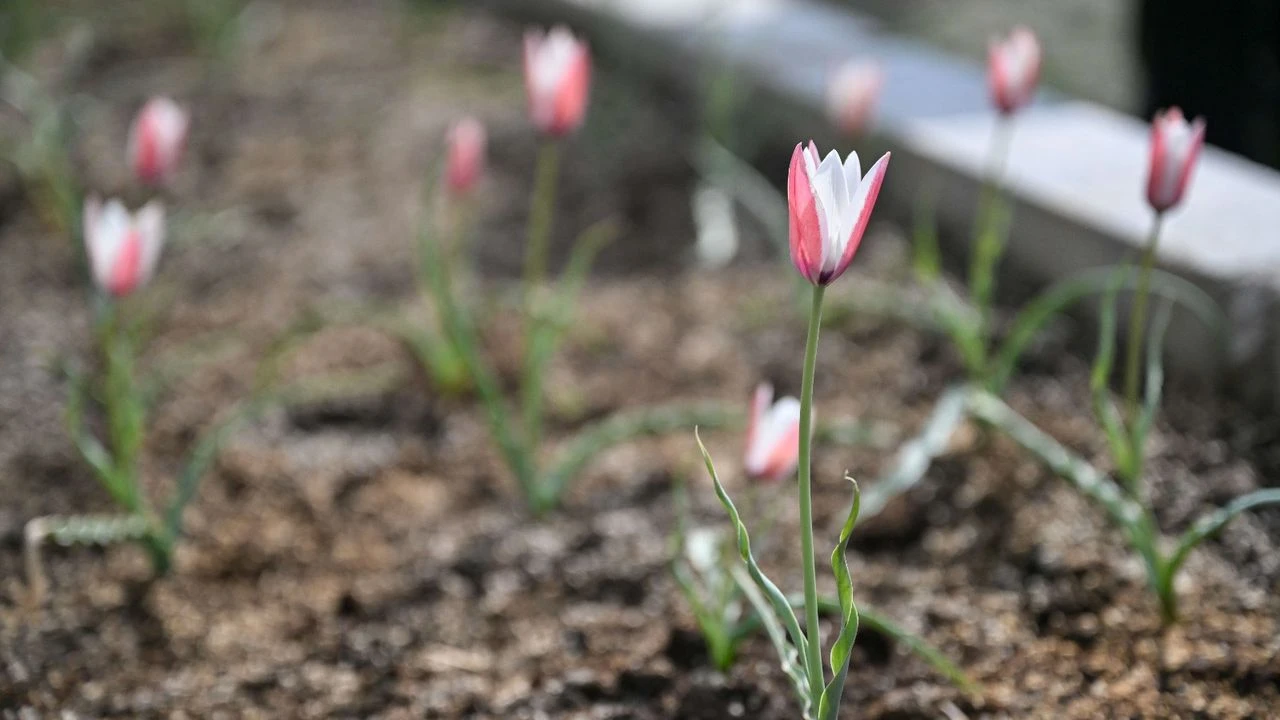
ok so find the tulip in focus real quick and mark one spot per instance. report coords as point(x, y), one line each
point(852, 95)
point(557, 73)
point(123, 248)
point(1175, 145)
point(156, 140)
point(1013, 70)
point(829, 204)
point(466, 158)
point(773, 436)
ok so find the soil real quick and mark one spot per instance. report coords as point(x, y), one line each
point(364, 555)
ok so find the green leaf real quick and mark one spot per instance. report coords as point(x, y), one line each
point(788, 656)
point(548, 328)
point(842, 648)
point(199, 459)
point(1056, 298)
point(619, 428)
point(461, 332)
point(1212, 523)
point(1071, 467)
point(919, 646)
point(926, 258)
point(1155, 381)
point(1104, 408)
point(915, 457)
point(778, 601)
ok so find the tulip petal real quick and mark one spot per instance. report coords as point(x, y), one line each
point(862, 204)
point(803, 222)
point(149, 224)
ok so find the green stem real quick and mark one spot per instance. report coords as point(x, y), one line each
point(541, 213)
point(1138, 323)
point(988, 243)
point(813, 659)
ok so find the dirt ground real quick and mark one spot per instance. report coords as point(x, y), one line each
point(365, 556)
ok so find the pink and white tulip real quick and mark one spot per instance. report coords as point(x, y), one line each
point(1013, 69)
point(466, 156)
point(829, 204)
point(157, 139)
point(557, 75)
point(852, 95)
point(773, 436)
point(123, 248)
point(1175, 146)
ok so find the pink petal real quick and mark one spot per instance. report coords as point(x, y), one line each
point(805, 228)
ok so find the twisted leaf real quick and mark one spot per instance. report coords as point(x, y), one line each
point(916, 456)
point(788, 656)
point(829, 704)
point(73, 530)
point(781, 608)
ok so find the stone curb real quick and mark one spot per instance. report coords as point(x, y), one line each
point(1076, 172)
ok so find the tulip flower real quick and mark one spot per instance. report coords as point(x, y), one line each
point(557, 73)
point(466, 157)
point(123, 248)
point(1175, 145)
point(852, 95)
point(156, 140)
point(829, 203)
point(773, 436)
point(1013, 70)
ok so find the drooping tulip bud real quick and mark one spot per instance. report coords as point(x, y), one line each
point(1175, 145)
point(466, 156)
point(852, 95)
point(557, 75)
point(157, 139)
point(1013, 70)
point(123, 248)
point(773, 436)
point(829, 204)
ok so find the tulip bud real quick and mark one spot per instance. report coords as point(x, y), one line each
point(1175, 145)
point(466, 158)
point(123, 248)
point(829, 204)
point(852, 95)
point(1013, 70)
point(773, 436)
point(156, 140)
point(557, 74)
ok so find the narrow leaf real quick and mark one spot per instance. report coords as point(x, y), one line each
point(1212, 523)
point(777, 600)
point(788, 656)
point(1155, 379)
point(619, 428)
point(1035, 315)
point(1057, 458)
point(915, 457)
point(842, 648)
point(549, 325)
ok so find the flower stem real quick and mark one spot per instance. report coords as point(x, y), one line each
point(813, 660)
point(1138, 323)
point(541, 213)
point(988, 240)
